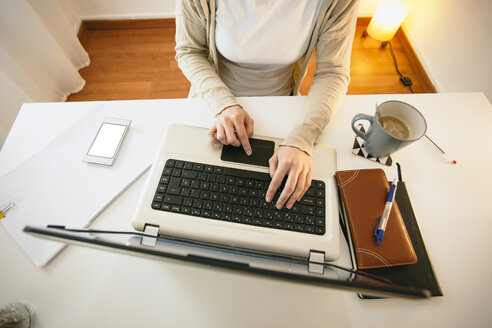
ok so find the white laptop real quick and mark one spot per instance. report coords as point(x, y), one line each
point(225, 211)
point(258, 242)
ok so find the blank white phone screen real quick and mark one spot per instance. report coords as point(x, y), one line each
point(107, 140)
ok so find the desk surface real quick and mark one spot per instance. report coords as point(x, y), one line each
point(85, 287)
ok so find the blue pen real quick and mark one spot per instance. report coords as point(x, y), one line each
point(383, 219)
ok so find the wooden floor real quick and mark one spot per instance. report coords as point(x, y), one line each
point(135, 60)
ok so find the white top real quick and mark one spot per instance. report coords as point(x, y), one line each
point(259, 41)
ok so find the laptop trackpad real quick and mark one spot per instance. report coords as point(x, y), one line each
point(262, 151)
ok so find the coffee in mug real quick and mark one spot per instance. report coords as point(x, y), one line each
point(395, 125)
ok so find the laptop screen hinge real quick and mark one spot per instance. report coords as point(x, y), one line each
point(316, 262)
point(152, 231)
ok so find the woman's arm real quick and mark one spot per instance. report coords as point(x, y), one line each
point(332, 75)
point(194, 58)
point(232, 125)
point(330, 82)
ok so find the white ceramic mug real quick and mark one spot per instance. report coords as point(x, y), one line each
point(395, 125)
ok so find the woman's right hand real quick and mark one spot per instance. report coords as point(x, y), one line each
point(233, 126)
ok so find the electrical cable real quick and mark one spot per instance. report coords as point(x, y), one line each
point(404, 79)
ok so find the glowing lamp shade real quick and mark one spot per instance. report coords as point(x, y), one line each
point(387, 18)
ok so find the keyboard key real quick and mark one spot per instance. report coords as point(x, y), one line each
point(174, 186)
point(161, 188)
point(308, 201)
point(309, 220)
point(246, 174)
point(215, 196)
point(309, 229)
point(158, 197)
point(175, 200)
point(197, 203)
point(311, 192)
point(310, 210)
point(189, 174)
point(198, 167)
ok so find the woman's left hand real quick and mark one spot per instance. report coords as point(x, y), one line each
point(298, 165)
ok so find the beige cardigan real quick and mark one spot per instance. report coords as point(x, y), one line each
point(332, 38)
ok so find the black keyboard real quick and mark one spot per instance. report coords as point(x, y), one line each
point(228, 194)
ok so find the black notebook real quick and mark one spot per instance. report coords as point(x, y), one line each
point(420, 275)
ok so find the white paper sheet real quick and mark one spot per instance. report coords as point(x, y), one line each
point(56, 187)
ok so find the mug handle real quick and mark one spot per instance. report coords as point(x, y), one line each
point(358, 117)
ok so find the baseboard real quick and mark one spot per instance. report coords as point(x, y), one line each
point(419, 70)
point(121, 24)
point(432, 80)
point(130, 16)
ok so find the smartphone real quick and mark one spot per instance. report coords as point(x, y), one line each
point(104, 148)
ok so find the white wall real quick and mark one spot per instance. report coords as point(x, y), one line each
point(367, 7)
point(452, 40)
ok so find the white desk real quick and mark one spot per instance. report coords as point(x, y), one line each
point(85, 287)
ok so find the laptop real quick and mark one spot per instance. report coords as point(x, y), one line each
point(198, 191)
point(251, 242)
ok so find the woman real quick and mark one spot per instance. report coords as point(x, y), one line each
point(229, 48)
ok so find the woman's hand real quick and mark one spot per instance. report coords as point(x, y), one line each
point(298, 165)
point(233, 126)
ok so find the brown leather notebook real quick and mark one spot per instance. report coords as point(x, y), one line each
point(363, 194)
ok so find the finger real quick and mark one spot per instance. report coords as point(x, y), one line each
point(212, 131)
point(243, 137)
point(276, 182)
point(212, 135)
point(299, 189)
point(307, 184)
point(272, 164)
point(289, 188)
point(230, 134)
point(250, 126)
point(221, 136)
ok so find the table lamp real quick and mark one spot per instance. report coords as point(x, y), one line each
point(387, 19)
